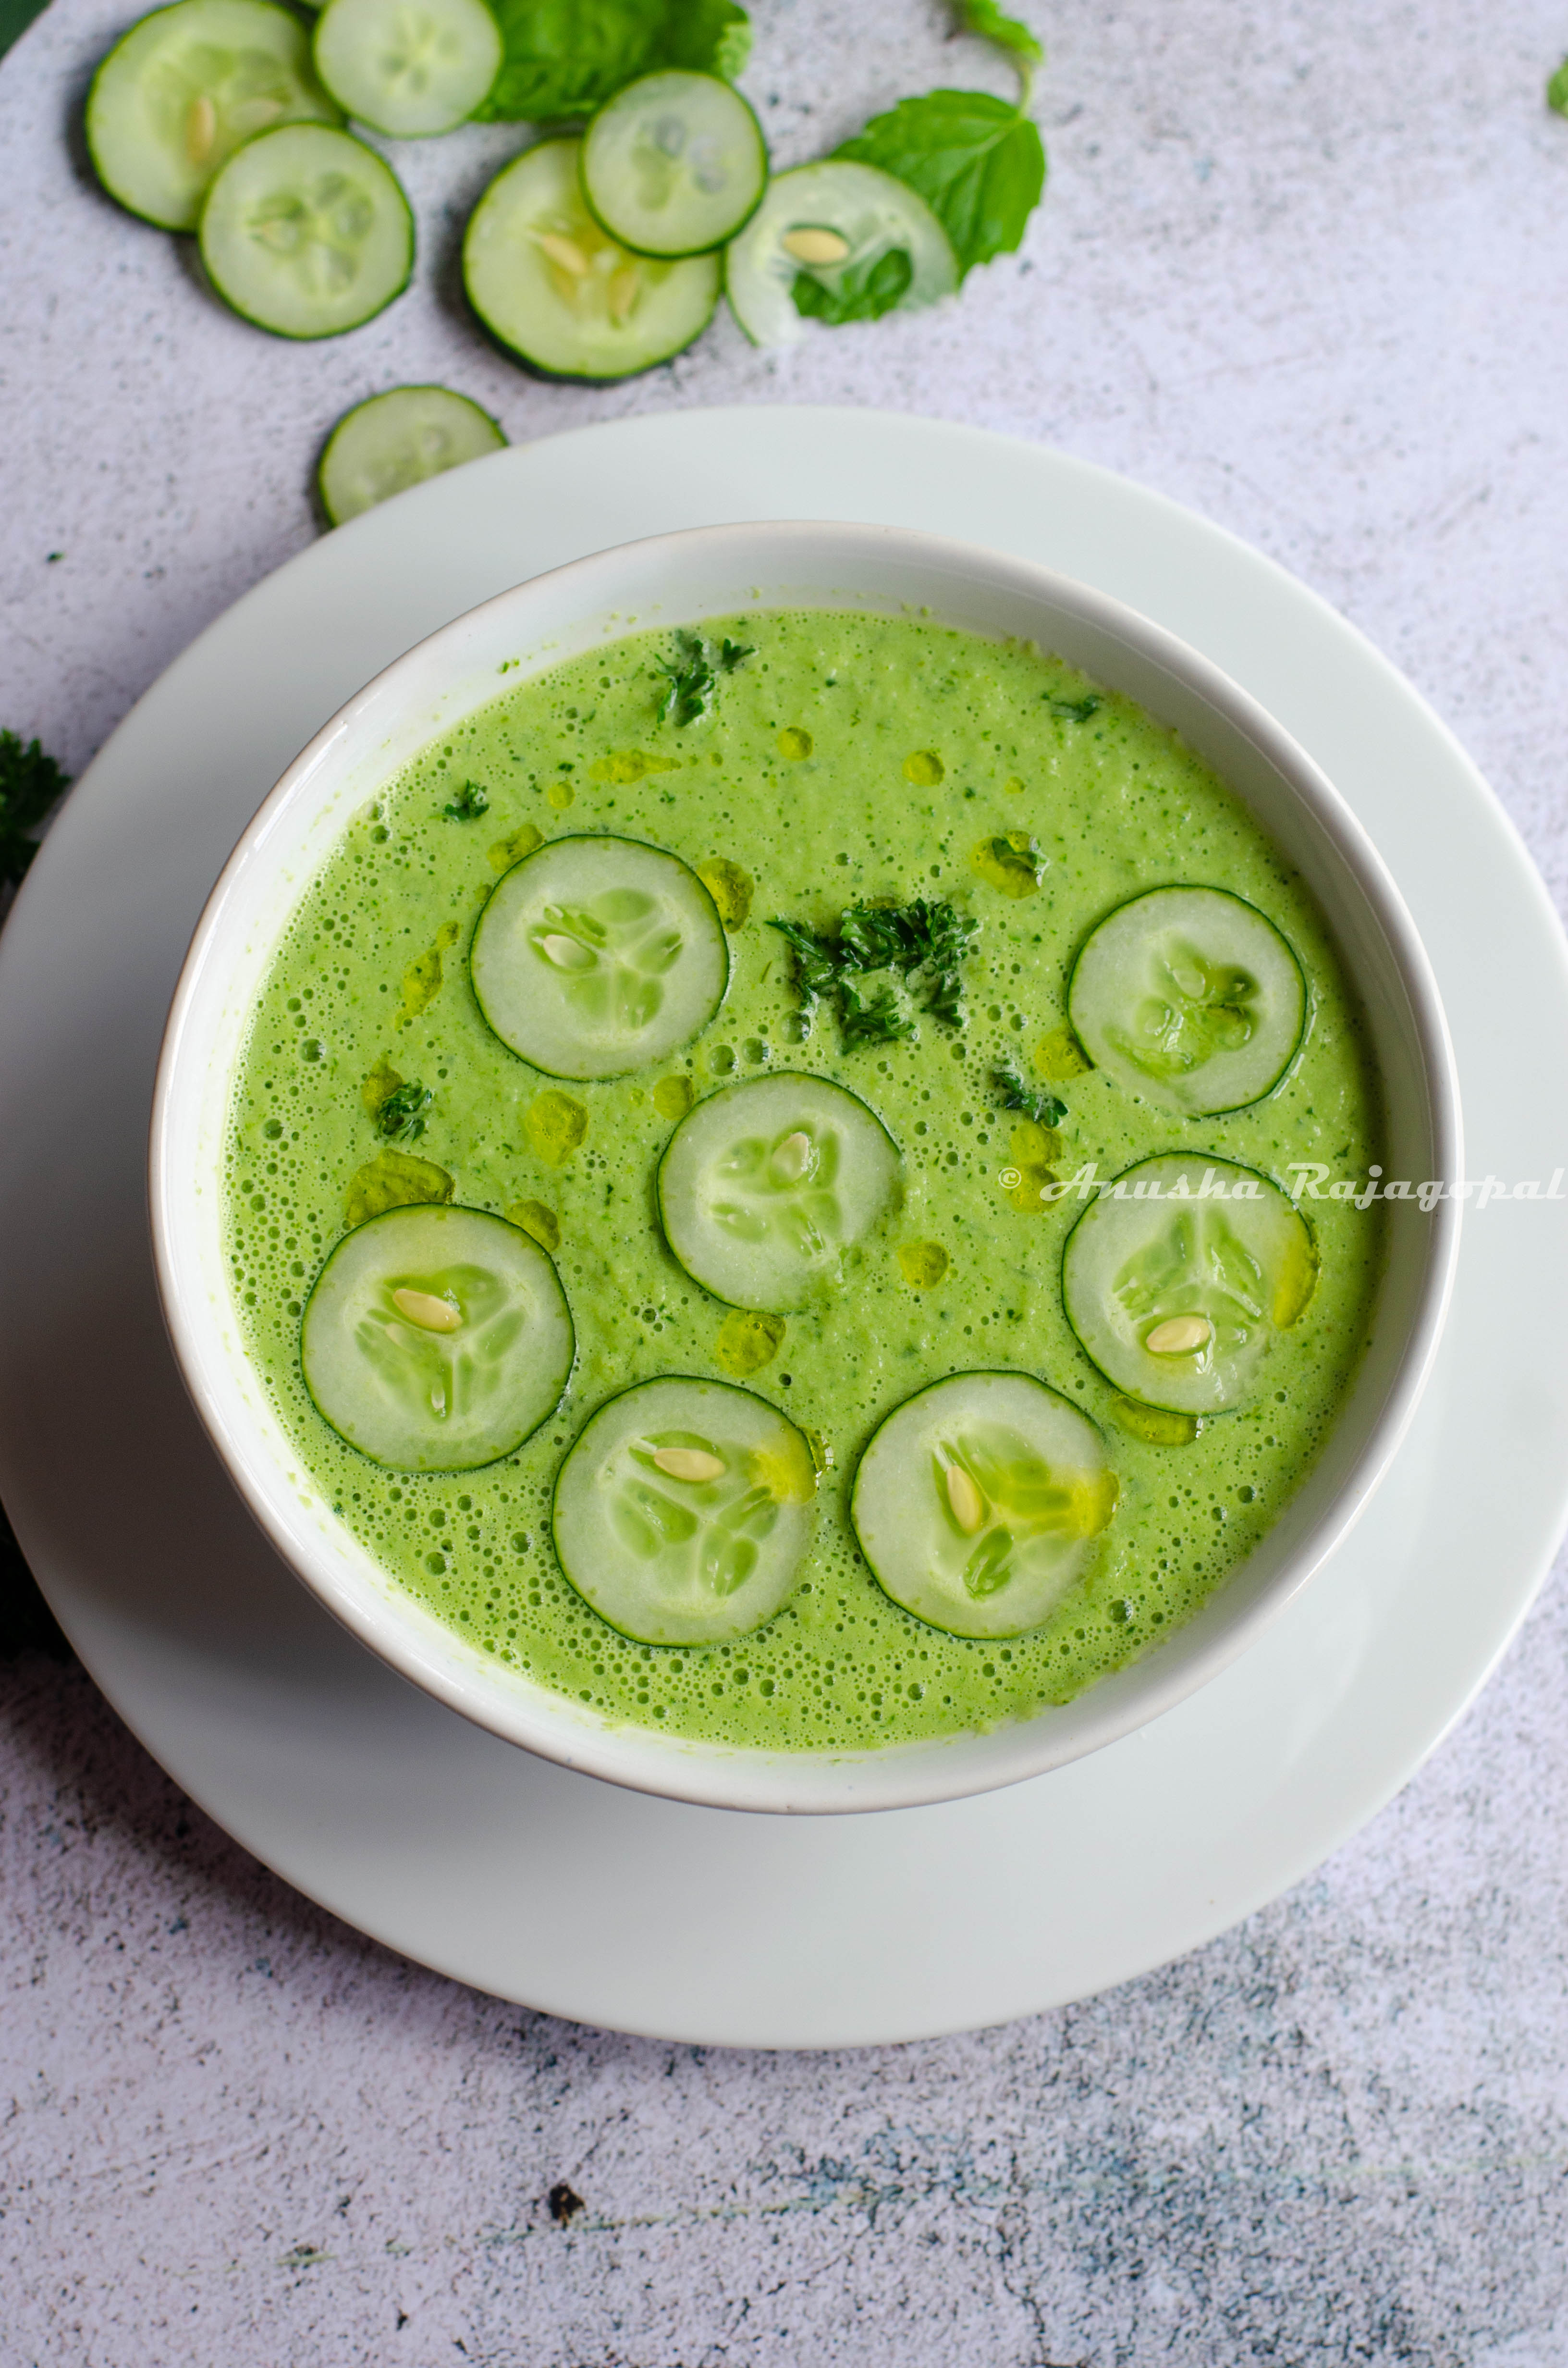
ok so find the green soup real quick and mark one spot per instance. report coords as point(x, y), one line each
point(848, 759)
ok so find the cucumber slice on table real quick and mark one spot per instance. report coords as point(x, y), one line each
point(832, 226)
point(563, 295)
point(683, 1510)
point(436, 1338)
point(596, 956)
point(397, 440)
point(978, 1502)
point(1179, 1281)
point(1189, 997)
point(176, 95)
point(408, 67)
point(674, 164)
point(764, 1187)
point(306, 232)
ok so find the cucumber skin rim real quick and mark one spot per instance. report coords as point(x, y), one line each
point(423, 386)
point(675, 254)
point(188, 230)
point(539, 369)
point(425, 1470)
point(1224, 1109)
point(742, 1085)
point(1221, 1159)
point(963, 1373)
point(656, 1381)
point(309, 336)
point(600, 838)
point(317, 10)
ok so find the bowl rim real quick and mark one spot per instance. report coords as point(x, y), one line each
point(399, 1633)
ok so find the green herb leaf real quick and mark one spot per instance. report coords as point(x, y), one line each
point(978, 163)
point(874, 1019)
point(692, 682)
point(734, 654)
point(563, 58)
point(925, 941)
point(816, 967)
point(401, 1117)
point(862, 293)
point(1044, 1109)
point(30, 784)
point(983, 19)
point(1075, 710)
point(1557, 89)
point(468, 805)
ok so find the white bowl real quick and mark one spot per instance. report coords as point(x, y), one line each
point(679, 579)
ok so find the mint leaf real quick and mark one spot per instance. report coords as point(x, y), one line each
point(564, 58)
point(983, 19)
point(978, 163)
point(1557, 89)
point(864, 294)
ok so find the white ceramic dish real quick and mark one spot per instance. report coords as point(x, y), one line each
point(489, 1864)
point(678, 580)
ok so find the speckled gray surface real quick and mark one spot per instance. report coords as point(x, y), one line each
point(1306, 269)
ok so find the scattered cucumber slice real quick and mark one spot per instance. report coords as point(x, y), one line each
point(674, 164)
point(683, 1510)
point(765, 1186)
point(397, 440)
point(436, 1338)
point(563, 295)
point(408, 67)
point(831, 221)
point(176, 95)
point(595, 956)
point(307, 233)
point(1178, 1280)
point(978, 1502)
point(1189, 997)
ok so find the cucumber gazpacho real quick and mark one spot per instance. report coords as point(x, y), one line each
point(656, 1173)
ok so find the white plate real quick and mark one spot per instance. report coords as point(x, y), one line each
point(611, 1906)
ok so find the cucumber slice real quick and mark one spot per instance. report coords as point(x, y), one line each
point(307, 233)
point(436, 1338)
point(978, 1502)
point(408, 67)
point(595, 956)
point(176, 95)
point(683, 1509)
point(1178, 1279)
point(675, 164)
point(832, 222)
point(764, 1186)
point(397, 440)
point(561, 294)
point(1190, 999)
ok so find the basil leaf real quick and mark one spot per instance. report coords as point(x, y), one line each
point(983, 19)
point(979, 164)
point(564, 58)
point(1557, 89)
point(863, 295)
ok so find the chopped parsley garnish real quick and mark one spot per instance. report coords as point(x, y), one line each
point(873, 1018)
point(692, 680)
point(1075, 710)
point(925, 941)
point(468, 805)
point(30, 784)
point(401, 1117)
point(1044, 1109)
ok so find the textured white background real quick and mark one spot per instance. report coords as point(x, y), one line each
point(1306, 269)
